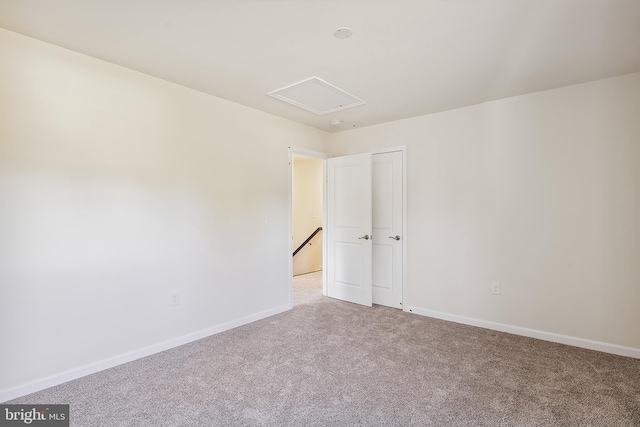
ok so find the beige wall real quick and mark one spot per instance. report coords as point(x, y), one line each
point(307, 213)
point(540, 192)
point(118, 189)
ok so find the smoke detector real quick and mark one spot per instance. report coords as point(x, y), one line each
point(343, 33)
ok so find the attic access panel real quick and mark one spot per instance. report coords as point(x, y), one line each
point(317, 96)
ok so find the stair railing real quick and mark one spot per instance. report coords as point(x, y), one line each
point(311, 236)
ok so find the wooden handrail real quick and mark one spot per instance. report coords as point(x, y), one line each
point(319, 229)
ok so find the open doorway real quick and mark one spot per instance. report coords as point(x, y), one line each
point(306, 211)
point(307, 225)
point(386, 232)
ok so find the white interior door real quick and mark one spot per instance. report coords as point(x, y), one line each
point(349, 223)
point(387, 228)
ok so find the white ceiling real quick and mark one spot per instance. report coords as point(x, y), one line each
point(405, 58)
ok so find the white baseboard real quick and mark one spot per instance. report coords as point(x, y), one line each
point(531, 333)
point(92, 368)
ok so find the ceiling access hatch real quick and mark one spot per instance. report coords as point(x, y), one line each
point(317, 96)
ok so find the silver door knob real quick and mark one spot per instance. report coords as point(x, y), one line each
point(396, 237)
point(365, 237)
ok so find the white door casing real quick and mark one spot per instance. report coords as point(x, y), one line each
point(387, 251)
point(349, 223)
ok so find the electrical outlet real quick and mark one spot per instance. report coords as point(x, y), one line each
point(175, 299)
point(495, 288)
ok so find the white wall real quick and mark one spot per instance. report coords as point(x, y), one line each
point(307, 213)
point(540, 192)
point(118, 189)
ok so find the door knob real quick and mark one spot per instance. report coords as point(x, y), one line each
point(365, 237)
point(396, 237)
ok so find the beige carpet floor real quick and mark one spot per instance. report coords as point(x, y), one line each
point(331, 363)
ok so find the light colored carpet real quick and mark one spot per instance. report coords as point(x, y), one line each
point(307, 288)
point(331, 363)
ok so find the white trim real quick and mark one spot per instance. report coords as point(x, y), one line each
point(325, 228)
point(531, 333)
point(405, 223)
point(92, 368)
point(308, 153)
point(402, 148)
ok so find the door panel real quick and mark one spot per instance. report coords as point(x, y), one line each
point(349, 211)
point(382, 267)
point(387, 222)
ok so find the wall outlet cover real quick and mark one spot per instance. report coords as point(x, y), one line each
point(174, 299)
point(495, 288)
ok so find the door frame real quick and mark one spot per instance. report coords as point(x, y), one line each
point(322, 156)
point(403, 150)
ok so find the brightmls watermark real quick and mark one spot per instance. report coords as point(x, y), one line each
point(34, 415)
